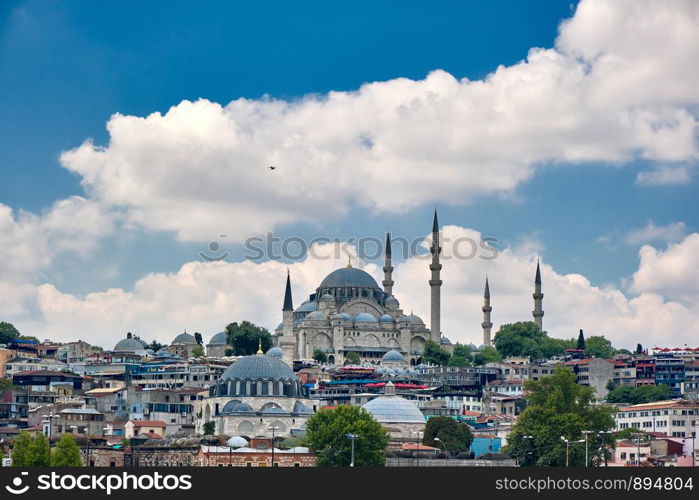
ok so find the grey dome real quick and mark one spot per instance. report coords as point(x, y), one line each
point(416, 320)
point(327, 298)
point(219, 339)
point(275, 352)
point(316, 316)
point(128, 345)
point(394, 409)
point(346, 316)
point(280, 326)
point(258, 375)
point(348, 277)
point(386, 318)
point(391, 301)
point(260, 367)
point(306, 307)
point(393, 356)
point(143, 343)
point(301, 409)
point(236, 407)
point(365, 318)
point(445, 340)
point(185, 338)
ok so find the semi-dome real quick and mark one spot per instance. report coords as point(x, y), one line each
point(348, 277)
point(306, 307)
point(236, 407)
point(394, 409)
point(301, 409)
point(316, 316)
point(365, 318)
point(327, 298)
point(393, 356)
point(185, 338)
point(129, 345)
point(275, 352)
point(219, 339)
point(386, 318)
point(346, 316)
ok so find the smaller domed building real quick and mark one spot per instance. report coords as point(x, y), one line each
point(401, 418)
point(255, 394)
point(393, 360)
point(216, 348)
point(182, 345)
point(130, 345)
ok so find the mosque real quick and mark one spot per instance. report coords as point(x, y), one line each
point(350, 312)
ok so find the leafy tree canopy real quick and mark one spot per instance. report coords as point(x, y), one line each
point(320, 356)
point(599, 347)
point(581, 341)
point(456, 436)
point(209, 428)
point(198, 351)
point(156, 346)
point(353, 357)
point(434, 354)
point(66, 453)
point(558, 407)
point(628, 433)
point(486, 355)
point(5, 384)
point(245, 338)
point(638, 395)
point(8, 332)
point(326, 434)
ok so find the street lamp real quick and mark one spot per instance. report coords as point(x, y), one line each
point(443, 444)
point(353, 437)
point(567, 442)
point(528, 444)
point(587, 458)
point(273, 428)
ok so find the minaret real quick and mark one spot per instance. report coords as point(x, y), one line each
point(435, 282)
point(388, 268)
point(538, 312)
point(288, 341)
point(487, 325)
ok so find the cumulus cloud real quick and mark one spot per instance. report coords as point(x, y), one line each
point(607, 91)
point(670, 233)
point(206, 296)
point(664, 176)
point(674, 272)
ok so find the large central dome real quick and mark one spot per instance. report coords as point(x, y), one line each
point(348, 277)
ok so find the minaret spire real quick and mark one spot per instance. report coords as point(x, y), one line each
point(288, 302)
point(435, 282)
point(487, 325)
point(538, 311)
point(388, 268)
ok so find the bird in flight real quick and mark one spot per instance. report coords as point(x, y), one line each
point(272, 167)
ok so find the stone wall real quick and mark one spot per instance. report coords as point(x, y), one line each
point(452, 462)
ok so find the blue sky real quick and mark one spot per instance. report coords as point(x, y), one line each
point(66, 67)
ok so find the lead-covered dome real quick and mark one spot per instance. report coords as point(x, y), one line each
point(275, 352)
point(219, 339)
point(130, 345)
point(365, 318)
point(394, 409)
point(258, 375)
point(185, 338)
point(348, 277)
point(393, 356)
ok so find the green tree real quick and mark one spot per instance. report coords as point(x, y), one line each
point(520, 339)
point(66, 453)
point(246, 336)
point(5, 384)
point(353, 357)
point(20, 450)
point(628, 433)
point(38, 452)
point(638, 395)
point(209, 428)
point(461, 356)
point(551, 346)
point(639, 349)
point(434, 354)
point(8, 332)
point(155, 346)
point(558, 407)
point(326, 434)
point(320, 356)
point(487, 354)
point(229, 352)
point(456, 436)
point(599, 347)
point(581, 341)
point(198, 351)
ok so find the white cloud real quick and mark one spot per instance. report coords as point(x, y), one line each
point(205, 296)
point(674, 272)
point(621, 83)
point(670, 233)
point(664, 176)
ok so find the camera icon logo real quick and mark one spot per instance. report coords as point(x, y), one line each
point(16, 488)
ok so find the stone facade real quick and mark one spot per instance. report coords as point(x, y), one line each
point(224, 457)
